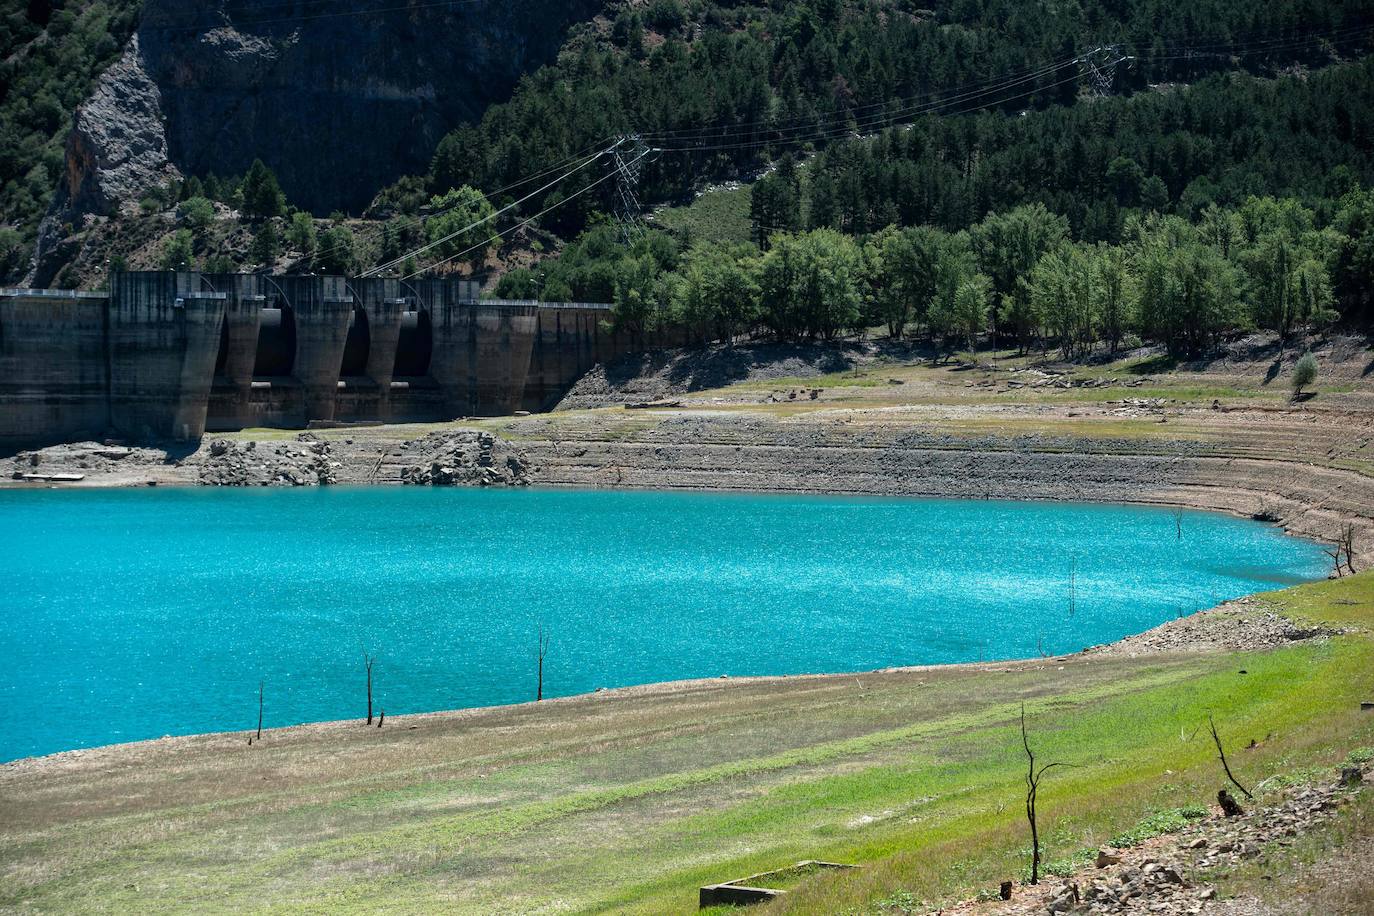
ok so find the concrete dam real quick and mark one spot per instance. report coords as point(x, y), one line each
point(171, 355)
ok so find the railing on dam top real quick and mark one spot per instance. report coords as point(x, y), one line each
point(104, 294)
point(16, 293)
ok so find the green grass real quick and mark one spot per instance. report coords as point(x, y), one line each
point(1170, 820)
point(627, 803)
point(716, 216)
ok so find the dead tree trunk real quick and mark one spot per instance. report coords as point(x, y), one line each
point(368, 661)
point(260, 685)
point(543, 651)
point(1221, 755)
point(1073, 584)
point(1033, 777)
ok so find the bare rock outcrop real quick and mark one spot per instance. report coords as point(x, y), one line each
point(116, 151)
point(467, 459)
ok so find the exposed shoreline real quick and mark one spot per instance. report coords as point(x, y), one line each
point(841, 453)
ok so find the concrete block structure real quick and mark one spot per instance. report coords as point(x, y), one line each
point(169, 355)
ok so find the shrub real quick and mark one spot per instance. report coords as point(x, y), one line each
point(196, 212)
point(1171, 820)
point(1304, 373)
point(300, 233)
point(178, 252)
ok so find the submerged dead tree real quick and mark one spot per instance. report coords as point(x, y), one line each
point(260, 686)
point(1073, 584)
point(1033, 777)
point(368, 661)
point(543, 651)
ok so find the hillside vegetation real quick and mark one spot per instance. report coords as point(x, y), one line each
point(1208, 103)
point(52, 52)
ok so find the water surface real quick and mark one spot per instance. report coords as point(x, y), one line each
point(134, 614)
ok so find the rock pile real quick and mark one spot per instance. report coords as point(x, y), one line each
point(468, 459)
point(304, 462)
point(1170, 879)
point(1245, 624)
point(1169, 875)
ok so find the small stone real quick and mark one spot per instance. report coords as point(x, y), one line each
point(1207, 893)
point(1199, 843)
point(1106, 857)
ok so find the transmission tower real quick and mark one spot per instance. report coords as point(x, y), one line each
point(629, 153)
point(1099, 68)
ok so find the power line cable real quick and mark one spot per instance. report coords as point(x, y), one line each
point(486, 219)
point(609, 175)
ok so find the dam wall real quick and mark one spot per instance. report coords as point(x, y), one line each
point(165, 355)
point(54, 378)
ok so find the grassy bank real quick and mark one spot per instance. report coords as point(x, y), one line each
point(628, 801)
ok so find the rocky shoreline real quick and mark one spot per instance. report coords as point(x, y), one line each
point(1173, 874)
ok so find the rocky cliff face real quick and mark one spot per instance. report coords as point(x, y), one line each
point(339, 102)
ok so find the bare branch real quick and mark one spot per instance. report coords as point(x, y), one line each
point(1221, 755)
point(1033, 777)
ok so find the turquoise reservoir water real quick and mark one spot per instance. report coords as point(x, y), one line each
point(134, 614)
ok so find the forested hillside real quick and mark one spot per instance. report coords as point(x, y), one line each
point(729, 84)
point(864, 118)
point(52, 52)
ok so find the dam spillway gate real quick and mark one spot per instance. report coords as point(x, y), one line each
point(172, 355)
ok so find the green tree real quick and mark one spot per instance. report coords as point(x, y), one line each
point(178, 252)
point(13, 251)
point(262, 196)
point(1187, 293)
point(904, 273)
point(520, 283)
point(1009, 245)
point(219, 264)
point(458, 161)
point(1124, 177)
point(1154, 194)
point(266, 245)
point(1064, 296)
point(462, 225)
point(338, 252)
point(1115, 305)
point(718, 291)
point(300, 233)
point(196, 212)
point(810, 284)
point(968, 309)
point(775, 203)
point(641, 297)
point(1353, 263)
